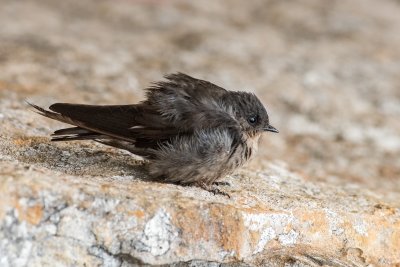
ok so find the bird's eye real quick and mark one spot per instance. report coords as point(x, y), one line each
point(253, 119)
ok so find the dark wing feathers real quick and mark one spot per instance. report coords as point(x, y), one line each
point(174, 107)
point(66, 113)
point(107, 119)
point(190, 103)
point(72, 130)
point(91, 136)
point(193, 87)
point(183, 89)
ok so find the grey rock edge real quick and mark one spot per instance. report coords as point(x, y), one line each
point(52, 218)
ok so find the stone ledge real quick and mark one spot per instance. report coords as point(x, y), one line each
point(272, 216)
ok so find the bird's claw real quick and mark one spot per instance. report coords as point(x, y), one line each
point(216, 191)
point(222, 183)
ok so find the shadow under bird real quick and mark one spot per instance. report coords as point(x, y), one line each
point(191, 131)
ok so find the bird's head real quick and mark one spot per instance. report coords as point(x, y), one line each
point(251, 114)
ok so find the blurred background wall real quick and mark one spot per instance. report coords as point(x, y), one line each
point(328, 71)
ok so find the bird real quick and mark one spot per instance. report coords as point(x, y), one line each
point(190, 131)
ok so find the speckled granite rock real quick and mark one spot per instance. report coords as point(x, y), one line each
point(325, 191)
point(49, 217)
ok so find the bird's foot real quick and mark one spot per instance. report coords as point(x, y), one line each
point(222, 183)
point(216, 191)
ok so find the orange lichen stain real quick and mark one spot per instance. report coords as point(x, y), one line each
point(22, 141)
point(137, 213)
point(192, 223)
point(254, 238)
point(85, 204)
point(32, 214)
point(379, 231)
point(228, 227)
point(28, 141)
point(105, 187)
point(395, 240)
point(317, 226)
point(367, 242)
point(316, 219)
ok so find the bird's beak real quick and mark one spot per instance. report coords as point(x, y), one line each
point(271, 128)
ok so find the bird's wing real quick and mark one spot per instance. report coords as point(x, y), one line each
point(189, 103)
point(186, 86)
point(179, 106)
point(92, 121)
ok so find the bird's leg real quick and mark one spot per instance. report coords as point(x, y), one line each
point(212, 189)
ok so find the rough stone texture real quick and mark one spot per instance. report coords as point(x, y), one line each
point(325, 191)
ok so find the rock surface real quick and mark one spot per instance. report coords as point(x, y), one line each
point(325, 191)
